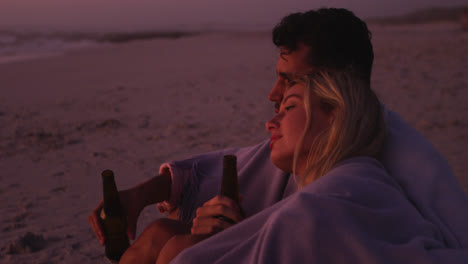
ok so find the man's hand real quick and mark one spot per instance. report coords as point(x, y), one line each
point(211, 217)
point(133, 200)
point(132, 207)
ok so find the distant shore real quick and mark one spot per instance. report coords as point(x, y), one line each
point(424, 16)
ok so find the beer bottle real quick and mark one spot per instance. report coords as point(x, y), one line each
point(114, 219)
point(229, 184)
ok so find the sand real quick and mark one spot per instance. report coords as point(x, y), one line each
point(130, 107)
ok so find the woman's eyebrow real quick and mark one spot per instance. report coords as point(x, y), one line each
point(291, 95)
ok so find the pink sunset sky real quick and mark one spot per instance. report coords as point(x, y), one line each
point(180, 14)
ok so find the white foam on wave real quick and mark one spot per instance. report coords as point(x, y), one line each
point(26, 47)
point(25, 56)
point(23, 45)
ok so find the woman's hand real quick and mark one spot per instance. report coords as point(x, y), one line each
point(132, 206)
point(216, 215)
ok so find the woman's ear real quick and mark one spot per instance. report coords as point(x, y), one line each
point(331, 116)
point(330, 110)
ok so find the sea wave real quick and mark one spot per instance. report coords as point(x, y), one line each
point(16, 45)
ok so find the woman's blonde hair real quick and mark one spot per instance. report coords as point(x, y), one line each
point(357, 129)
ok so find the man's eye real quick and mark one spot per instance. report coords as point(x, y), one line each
point(290, 82)
point(277, 107)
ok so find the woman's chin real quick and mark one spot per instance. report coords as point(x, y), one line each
point(281, 162)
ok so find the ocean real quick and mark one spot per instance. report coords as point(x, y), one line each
point(22, 45)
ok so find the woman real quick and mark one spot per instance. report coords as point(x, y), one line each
point(325, 118)
point(329, 132)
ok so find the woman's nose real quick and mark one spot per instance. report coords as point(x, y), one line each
point(273, 123)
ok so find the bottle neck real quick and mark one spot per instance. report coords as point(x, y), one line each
point(112, 206)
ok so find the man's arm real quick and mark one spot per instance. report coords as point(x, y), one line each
point(155, 190)
point(202, 180)
point(187, 184)
point(133, 200)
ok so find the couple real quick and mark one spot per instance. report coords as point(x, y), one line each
point(355, 183)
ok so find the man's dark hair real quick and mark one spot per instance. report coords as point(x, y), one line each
point(338, 39)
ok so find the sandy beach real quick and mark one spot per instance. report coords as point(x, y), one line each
point(132, 106)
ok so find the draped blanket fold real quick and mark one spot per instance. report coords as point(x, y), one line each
point(357, 213)
point(410, 210)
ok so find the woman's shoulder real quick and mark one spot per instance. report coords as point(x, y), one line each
point(358, 163)
point(356, 177)
point(357, 168)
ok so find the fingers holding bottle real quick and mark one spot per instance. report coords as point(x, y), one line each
point(95, 221)
point(130, 203)
point(216, 215)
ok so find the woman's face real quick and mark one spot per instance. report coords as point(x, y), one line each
point(287, 127)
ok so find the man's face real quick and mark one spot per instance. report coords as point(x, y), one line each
point(289, 63)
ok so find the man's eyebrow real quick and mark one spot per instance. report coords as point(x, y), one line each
point(283, 53)
point(286, 75)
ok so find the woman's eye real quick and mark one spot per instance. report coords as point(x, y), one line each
point(287, 108)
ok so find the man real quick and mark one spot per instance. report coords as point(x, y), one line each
point(318, 39)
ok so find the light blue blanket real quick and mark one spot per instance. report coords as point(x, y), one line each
point(413, 210)
point(357, 213)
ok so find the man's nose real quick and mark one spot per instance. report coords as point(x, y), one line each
point(276, 93)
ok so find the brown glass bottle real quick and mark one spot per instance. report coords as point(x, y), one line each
point(229, 185)
point(113, 219)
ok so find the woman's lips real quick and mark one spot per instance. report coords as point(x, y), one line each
point(273, 139)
